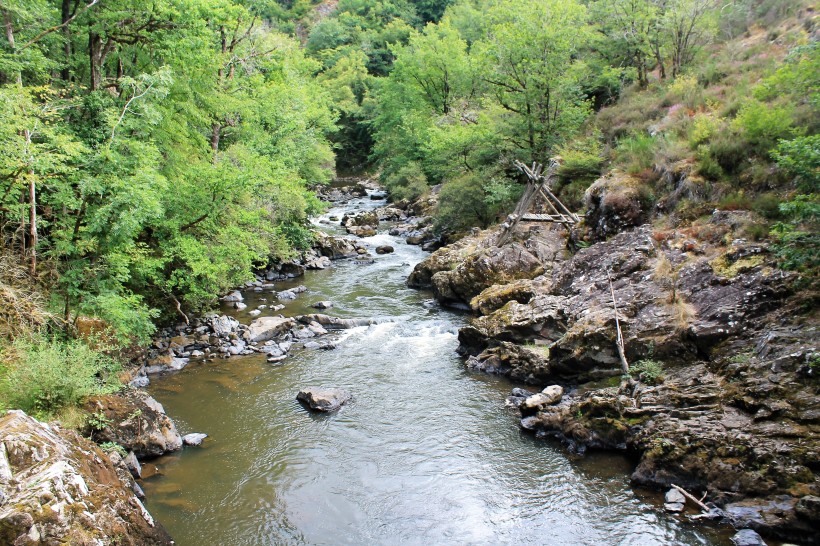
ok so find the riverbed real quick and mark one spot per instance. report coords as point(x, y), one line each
point(425, 454)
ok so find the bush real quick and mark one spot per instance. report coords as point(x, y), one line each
point(474, 199)
point(648, 371)
point(684, 90)
point(409, 182)
point(761, 125)
point(41, 376)
point(800, 157)
point(580, 164)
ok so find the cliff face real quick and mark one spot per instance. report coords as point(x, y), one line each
point(59, 488)
point(731, 405)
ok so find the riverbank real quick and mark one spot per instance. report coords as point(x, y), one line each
point(723, 396)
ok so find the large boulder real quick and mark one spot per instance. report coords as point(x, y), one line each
point(265, 328)
point(335, 248)
point(323, 399)
point(61, 489)
point(614, 203)
point(223, 325)
point(135, 421)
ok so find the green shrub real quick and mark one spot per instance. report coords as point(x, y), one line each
point(707, 166)
point(636, 153)
point(767, 205)
point(800, 157)
point(684, 90)
point(580, 162)
point(735, 201)
point(761, 125)
point(409, 182)
point(648, 371)
point(729, 151)
point(798, 239)
point(42, 376)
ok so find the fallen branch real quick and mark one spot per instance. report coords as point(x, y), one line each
point(692, 498)
point(619, 341)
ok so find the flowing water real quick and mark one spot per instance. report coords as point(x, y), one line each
point(425, 454)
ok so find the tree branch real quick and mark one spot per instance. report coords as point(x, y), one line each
point(55, 28)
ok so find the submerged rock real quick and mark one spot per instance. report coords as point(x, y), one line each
point(324, 399)
point(61, 489)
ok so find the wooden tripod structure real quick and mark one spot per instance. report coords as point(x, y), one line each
point(537, 184)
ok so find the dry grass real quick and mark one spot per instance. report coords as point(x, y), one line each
point(22, 306)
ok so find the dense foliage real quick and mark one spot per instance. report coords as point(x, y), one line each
point(153, 152)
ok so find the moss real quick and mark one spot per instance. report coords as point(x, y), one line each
point(724, 268)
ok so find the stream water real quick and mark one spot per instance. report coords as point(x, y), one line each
point(425, 454)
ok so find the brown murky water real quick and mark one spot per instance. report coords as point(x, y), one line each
point(426, 453)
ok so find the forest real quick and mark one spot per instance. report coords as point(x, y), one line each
point(153, 154)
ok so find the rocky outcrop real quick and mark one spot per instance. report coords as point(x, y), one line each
point(461, 271)
point(59, 488)
point(672, 305)
point(135, 421)
point(723, 396)
point(334, 248)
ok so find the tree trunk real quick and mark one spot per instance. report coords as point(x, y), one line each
point(65, 73)
point(18, 77)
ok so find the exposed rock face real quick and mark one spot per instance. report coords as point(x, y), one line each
point(324, 399)
point(61, 489)
point(572, 312)
point(461, 271)
point(733, 406)
point(135, 421)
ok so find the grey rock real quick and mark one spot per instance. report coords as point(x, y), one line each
point(265, 328)
point(747, 537)
point(239, 306)
point(236, 295)
point(224, 325)
point(140, 382)
point(194, 439)
point(324, 399)
point(133, 465)
point(286, 295)
point(322, 304)
point(255, 313)
point(384, 249)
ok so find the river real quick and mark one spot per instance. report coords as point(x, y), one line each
point(426, 453)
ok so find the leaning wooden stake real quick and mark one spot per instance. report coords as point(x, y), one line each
point(691, 497)
point(619, 342)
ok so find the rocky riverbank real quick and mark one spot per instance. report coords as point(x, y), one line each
point(723, 347)
point(56, 485)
